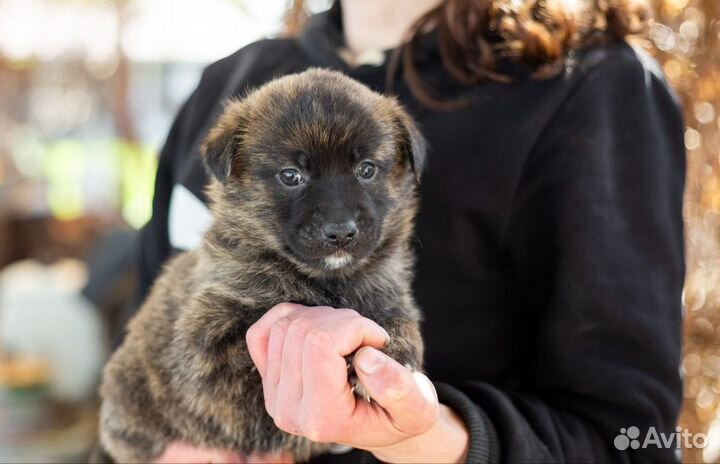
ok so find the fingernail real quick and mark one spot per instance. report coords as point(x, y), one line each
point(370, 361)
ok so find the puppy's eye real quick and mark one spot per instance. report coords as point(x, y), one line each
point(366, 170)
point(291, 177)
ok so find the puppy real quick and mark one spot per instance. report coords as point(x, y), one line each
point(313, 200)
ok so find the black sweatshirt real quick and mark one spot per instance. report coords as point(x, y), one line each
point(550, 242)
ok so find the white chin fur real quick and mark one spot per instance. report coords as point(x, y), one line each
point(337, 260)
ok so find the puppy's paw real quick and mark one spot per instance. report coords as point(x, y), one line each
point(357, 387)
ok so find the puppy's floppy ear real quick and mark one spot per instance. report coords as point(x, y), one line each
point(224, 140)
point(411, 142)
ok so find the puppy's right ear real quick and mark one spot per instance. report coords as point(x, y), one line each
point(224, 141)
point(412, 143)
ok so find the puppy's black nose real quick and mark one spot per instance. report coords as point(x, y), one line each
point(340, 234)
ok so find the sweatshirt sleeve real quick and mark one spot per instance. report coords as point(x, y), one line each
point(219, 78)
point(598, 215)
point(154, 245)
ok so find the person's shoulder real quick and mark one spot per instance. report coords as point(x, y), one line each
point(615, 53)
point(248, 67)
point(260, 56)
point(617, 63)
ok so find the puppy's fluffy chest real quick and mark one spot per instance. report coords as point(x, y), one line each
point(244, 281)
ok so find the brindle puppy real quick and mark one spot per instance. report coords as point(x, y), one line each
point(313, 201)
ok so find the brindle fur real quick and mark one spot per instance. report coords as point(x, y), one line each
point(184, 372)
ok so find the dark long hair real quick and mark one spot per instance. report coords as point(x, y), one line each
point(475, 35)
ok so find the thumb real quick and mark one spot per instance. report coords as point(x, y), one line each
point(408, 397)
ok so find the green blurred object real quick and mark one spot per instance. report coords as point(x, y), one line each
point(139, 165)
point(65, 165)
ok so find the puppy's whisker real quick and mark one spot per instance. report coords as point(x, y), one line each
point(417, 239)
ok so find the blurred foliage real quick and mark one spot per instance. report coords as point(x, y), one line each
point(67, 166)
point(686, 39)
point(138, 167)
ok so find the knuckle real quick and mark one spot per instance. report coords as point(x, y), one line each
point(364, 324)
point(318, 339)
point(300, 325)
point(280, 327)
point(284, 308)
point(352, 313)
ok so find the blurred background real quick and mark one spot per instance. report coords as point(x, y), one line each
point(88, 89)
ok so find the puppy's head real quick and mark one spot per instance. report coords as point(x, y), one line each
point(316, 167)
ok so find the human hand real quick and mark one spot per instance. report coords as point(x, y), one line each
point(300, 354)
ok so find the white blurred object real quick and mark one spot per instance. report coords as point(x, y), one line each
point(156, 30)
point(42, 314)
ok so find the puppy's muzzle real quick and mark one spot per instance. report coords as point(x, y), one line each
point(339, 234)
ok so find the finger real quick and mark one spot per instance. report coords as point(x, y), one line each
point(273, 366)
point(258, 335)
point(290, 385)
point(276, 341)
point(268, 362)
point(327, 402)
point(408, 397)
point(326, 391)
point(348, 332)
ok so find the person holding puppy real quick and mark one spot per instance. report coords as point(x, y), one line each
point(549, 240)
